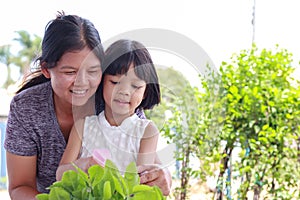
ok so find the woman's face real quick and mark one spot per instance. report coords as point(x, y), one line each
point(75, 78)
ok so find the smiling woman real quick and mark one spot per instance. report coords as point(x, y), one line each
point(42, 113)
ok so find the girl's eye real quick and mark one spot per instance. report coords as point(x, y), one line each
point(114, 82)
point(136, 86)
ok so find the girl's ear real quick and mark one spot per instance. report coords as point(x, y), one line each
point(45, 71)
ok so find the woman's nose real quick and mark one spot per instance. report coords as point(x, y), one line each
point(81, 79)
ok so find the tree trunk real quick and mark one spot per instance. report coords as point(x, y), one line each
point(184, 175)
point(298, 148)
point(256, 192)
point(9, 80)
point(225, 162)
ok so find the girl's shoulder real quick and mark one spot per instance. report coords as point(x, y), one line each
point(151, 129)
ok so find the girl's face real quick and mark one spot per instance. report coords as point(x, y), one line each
point(75, 78)
point(123, 93)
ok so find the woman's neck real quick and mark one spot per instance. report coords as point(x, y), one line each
point(68, 111)
point(67, 114)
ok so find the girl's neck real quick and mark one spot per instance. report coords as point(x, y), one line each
point(115, 119)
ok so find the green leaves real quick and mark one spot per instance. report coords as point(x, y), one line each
point(246, 122)
point(23, 58)
point(101, 183)
point(107, 190)
point(131, 177)
point(260, 101)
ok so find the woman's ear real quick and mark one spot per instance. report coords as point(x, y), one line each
point(45, 71)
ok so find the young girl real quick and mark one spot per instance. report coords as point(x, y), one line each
point(129, 83)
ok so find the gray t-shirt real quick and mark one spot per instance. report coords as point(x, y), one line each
point(32, 129)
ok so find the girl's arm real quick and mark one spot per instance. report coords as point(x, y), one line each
point(148, 145)
point(149, 166)
point(72, 151)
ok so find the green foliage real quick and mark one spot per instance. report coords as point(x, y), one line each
point(178, 100)
point(101, 183)
point(245, 121)
point(180, 129)
point(172, 85)
point(253, 106)
point(6, 59)
point(30, 48)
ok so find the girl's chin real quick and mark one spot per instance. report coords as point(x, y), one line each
point(121, 114)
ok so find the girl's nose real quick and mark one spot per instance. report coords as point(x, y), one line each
point(124, 89)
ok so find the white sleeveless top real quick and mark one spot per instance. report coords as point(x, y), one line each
point(123, 141)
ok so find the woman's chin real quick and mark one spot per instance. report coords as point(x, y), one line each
point(79, 102)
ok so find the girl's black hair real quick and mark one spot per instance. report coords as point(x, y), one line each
point(121, 55)
point(65, 33)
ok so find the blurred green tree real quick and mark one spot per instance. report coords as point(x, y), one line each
point(253, 106)
point(244, 125)
point(29, 48)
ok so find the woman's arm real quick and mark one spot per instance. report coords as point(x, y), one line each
point(148, 145)
point(21, 172)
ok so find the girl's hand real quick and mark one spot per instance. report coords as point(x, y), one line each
point(85, 163)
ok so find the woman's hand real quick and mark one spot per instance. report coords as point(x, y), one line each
point(153, 174)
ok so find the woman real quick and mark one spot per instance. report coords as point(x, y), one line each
point(45, 108)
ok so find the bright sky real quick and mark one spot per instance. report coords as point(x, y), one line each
point(219, 27)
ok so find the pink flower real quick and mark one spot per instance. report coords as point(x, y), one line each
point(100, 156)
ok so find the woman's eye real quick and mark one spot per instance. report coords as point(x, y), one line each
point(93, 71)
point(70, 72)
